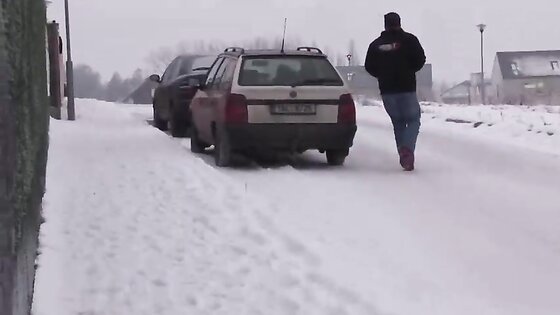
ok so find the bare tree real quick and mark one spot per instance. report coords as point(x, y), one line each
point(215, 47)
point(261, 43)
point(115, 88)
point(159, 59)
point(132, 83)
point(88, 83)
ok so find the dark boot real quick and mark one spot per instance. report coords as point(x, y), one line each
point(406, 159)
point(402, 156)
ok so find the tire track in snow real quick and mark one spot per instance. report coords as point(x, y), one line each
point(473, 229)
point(150, 230)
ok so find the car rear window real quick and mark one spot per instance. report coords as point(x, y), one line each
point(203, 62)
point(196, 64)
point(288, 71)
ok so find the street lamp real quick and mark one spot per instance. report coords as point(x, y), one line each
point(349, 57)
point(69, 68)
point(482, 28)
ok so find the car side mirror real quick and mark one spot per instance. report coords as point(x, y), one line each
point(155, 78)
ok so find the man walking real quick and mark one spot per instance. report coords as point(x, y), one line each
point(394, 58)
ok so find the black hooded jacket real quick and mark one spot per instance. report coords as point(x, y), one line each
point(394, 58)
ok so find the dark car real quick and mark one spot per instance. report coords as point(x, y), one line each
point(176, 89)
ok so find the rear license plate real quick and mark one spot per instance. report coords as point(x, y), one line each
point(293, 109)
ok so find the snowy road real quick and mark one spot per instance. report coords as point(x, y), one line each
point(473, 231)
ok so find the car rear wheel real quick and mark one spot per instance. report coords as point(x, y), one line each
point(159, 123)
point(197, 146)
point(222, 151)
point(178, 122)
point(337, 157)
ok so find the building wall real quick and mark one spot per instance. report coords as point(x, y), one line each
point(546, 91)
point(456, 100)
point(496, 95)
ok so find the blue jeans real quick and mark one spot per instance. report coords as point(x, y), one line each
point(404, 110)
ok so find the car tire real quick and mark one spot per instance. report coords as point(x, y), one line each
point(178, 123)
point(222, 150)
point(197, 146)
point(337, 157)
point(159, 123)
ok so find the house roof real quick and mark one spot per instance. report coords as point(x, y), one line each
point(528, 64)
point(144, 89)
point(459, 90)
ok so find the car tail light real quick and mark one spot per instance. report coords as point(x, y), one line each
point(236, 109)
point(346, 110)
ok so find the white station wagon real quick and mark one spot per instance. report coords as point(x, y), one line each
point(273, 101)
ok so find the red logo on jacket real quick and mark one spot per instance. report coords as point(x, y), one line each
point(389, 47)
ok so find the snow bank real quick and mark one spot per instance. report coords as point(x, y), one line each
point(135, 224)
point(533, 127)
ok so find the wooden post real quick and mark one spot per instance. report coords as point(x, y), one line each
point(55, 75)
point(69, 67)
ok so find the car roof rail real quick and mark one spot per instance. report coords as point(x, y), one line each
point(235, 50)
point(310, 49)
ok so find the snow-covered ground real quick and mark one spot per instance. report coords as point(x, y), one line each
point(535, 127)
point(136, 224)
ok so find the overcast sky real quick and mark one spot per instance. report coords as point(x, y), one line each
point(118, 35)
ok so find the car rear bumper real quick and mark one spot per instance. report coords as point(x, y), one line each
point(291, 137)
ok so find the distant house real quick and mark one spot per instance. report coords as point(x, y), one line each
point(526, 77)
point(144, 94)
point(467, 92)
point(361, 83)
point(475, 91)
point(425, 82)
point(459, 94)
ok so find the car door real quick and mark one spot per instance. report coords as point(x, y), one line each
point(222, 89)
point(202, 116)
point(158, 93)
point(191, 69)
point(174, 92)
point(162, 93)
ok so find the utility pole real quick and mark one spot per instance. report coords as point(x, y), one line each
point(69, 68)
point(481, 28)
